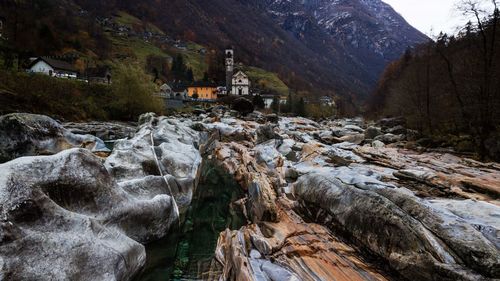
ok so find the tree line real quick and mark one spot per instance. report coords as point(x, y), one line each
point(450, 85)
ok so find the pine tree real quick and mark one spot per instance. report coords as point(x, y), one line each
point(289, 104)
point(275, 106)
point(179, 69)
point(258, 102)
point(189, 75)
point(300, 108)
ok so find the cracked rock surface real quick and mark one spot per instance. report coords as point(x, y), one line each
point(331, 200)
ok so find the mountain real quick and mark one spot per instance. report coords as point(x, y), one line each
point(320, 46)
point(325, 45)
point(371, 32)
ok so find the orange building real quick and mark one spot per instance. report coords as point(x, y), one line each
point(204, 90)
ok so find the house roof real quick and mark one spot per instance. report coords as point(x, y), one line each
point(240, 73)
point(177, 87)
point(165, 87)
point(56, 64)
point(203, 84)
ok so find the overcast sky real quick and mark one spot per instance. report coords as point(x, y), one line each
point(438, 15)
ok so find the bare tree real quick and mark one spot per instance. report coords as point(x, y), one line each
point(484, 20)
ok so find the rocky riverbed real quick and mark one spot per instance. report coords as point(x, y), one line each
point(335, 200)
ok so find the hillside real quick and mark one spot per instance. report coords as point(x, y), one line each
point(114, 39)
point(321, 46)
point(307, 49)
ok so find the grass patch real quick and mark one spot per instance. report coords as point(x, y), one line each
point(266, 79)
point(126, 19)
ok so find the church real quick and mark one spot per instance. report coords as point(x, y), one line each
point(238, 83)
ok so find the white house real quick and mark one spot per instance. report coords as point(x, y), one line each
point(240, 84)
point(53, 67)
point(268, 99)
point(174, 90)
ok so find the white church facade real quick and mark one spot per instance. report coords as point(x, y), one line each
point(240, 84)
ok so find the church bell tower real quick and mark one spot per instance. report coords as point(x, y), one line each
point(229, 54)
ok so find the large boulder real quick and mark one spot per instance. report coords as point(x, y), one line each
point(162, 158)
point(103, 130)
point(65, 218)
point(23, 134)
point(243, 106)
point(372, 132)
point(391, 122)
point(416, 238)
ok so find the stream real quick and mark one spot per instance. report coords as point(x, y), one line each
point(186, 253)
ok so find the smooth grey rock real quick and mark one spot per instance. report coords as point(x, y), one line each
point(103, 130)
point(23, 134)
point(392, 122)
point(397, 130)
point(268, 154)
point(372, 132)
point(377, 144)
point(165, 146)
point(354, 128)
point(265, 133)
point(415, 239)
point(65, 218)
point(390, 138)
point(354, 138)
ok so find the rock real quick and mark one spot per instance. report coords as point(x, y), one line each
point(377, 216)
point(453, 176)
point(377, 144)
point(341, 132)
point(265, 133)
point(266, 153)
point(23, 134)
point(355, 139)
point(292, 174)
point(397, 130)
point(412, 135)
point(243, 106)
point(165, 147)
point(342, 157)
point(103, 130)
point(65, 218)
point(199, 111)
point(372, 132)
point(354, 128)
point(273, 118)
point(392, 122)
point(390, 138)
point(146, 118)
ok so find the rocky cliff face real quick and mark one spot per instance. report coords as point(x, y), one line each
point(371, 32)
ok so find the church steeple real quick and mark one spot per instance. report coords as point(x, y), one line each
point(229, 54)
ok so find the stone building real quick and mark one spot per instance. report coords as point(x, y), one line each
point(240, 84)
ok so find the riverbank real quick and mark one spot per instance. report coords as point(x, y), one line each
point(336, 200)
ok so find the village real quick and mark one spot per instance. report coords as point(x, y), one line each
point(175, 94)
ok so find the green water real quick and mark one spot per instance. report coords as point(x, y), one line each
point(186, 253)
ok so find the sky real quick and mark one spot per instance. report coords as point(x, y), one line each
point(427, 15)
